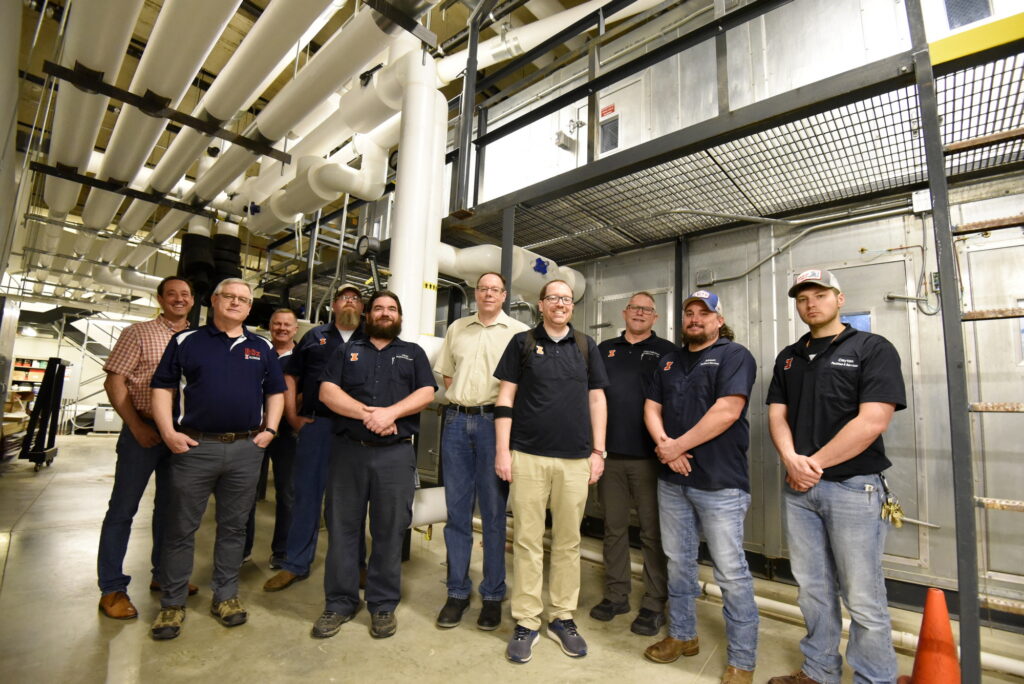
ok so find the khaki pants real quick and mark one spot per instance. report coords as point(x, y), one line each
point(535, 480)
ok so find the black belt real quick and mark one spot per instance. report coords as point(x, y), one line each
point(473, 410)
point(225, 437)
point(374, 445)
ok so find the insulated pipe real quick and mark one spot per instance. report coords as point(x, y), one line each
point(184, 33)
point(469, 263)
point(432, 239)
point(163, 231)
point(97, 39)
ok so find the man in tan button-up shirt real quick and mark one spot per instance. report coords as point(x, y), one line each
point(472, 347)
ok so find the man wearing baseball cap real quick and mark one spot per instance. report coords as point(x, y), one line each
point(696, 412)
point(832, 396)
point(314, 425)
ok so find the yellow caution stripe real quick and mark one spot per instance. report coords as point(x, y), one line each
point(992, 34)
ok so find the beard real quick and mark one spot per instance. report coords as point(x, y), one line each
point(384, 331)
point(349, 318)
point(701, 337)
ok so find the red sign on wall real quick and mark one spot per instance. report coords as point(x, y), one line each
point(609, 109)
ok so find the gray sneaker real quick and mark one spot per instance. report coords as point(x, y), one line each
point(383, 624)
point(520, 646)
point(567, 636)
point(329, 623)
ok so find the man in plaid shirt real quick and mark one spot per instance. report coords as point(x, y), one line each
point(140, 451)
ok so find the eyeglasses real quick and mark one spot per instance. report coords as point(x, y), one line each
point(645, 310)
point(555, 299)
point(350, 298)
point(244, 301)
point(490, 290)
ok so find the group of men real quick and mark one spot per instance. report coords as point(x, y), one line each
point(534, 417)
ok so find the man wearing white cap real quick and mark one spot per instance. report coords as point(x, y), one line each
point(832, 396)
point(696, 412)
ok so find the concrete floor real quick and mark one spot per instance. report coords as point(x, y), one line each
point(51, 630)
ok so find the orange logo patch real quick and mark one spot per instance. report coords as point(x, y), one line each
point(668, 365)
point(354, 356)
point(540, 350)
point(789, 363)
point(611, 353)
point(323, 340)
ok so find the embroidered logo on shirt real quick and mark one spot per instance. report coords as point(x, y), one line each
point(404, 357)
point(354, 356)
point(611, 353)
point(845, 362)
point(789, 363)
point(540, 350)
point(252, 354)
point(323, 340)
point(645, 354)
point(709, 362)
point(668, 366)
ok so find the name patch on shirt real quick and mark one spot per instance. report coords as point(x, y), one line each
point(709, 362)
point(404, 357)
point(845, 362)
point(252, 354)
point(644, 355)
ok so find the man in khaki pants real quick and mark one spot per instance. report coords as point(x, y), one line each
point(549, 429)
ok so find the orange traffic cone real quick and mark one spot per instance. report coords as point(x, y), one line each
point(936, 660)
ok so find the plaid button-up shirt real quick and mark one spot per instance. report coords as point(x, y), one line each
point(136, 355)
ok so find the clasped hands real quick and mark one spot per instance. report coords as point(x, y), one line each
point(380, 420)
point(672, 454)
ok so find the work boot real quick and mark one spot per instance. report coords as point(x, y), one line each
point(383, 624)
point(168, 623)
point(795, 678)
point(648, 622)
point(606, 610)
point(451, 615)
point(283, 580)
point(490, 616)
point(668, 649)
point(734, 675)
point(118, 606)
point(229, 612)
point(329, 623)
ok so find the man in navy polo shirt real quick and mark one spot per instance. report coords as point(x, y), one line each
point(231, 402)
point(832, 395)
point(377, 386)
point(549, 426)
point(314, 425)
point(631, 471)
point(696, 411)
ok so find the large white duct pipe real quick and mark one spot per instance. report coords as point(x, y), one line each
point(184, 33)
point(530, 271)
point(97, 38)
point(428, 294)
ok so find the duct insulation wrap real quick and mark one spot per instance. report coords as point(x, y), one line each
point(197, 265)
point(227, 256)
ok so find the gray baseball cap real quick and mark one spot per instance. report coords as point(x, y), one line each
point(815, 276)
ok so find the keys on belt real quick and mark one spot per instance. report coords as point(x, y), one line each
point(473, 410)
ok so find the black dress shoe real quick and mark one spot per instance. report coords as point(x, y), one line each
point(490, 616)
point(451, 615)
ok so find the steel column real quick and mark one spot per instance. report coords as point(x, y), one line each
point(508, 235)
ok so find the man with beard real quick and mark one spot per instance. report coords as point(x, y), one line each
point(313, 423)
point(231, 388)
point(140, 452)
point(377, 386)
point(280, 453)
point(472, 347)
point(631, 470)
point(696, 411)
point(833, 394)
point(549, 432)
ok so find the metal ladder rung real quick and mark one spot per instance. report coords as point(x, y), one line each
point(993, 224)
point(996, 407)
point(999, 504)
point(992, 314)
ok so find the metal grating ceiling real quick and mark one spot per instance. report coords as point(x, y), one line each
point(866, 147)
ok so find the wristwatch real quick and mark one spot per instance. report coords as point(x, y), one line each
point(272, 431)
point(602, 454)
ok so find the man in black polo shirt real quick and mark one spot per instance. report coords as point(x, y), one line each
point(549, 426)
point(231, 402)
point(631, 471)
point(377, 387)
point(696, 411)
point(314, 426)
point(832, 395)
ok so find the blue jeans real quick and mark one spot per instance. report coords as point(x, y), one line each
point(467, 454)
point(135, 465)
point(686, 512)
point(836, 538)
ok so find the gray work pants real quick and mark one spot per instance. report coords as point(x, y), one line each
point(627, 483)
point(229, 472)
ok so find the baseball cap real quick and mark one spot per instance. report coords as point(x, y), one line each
point(815, 276)
point(710, 300)
point(348, 288)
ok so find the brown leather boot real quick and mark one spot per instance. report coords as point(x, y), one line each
point(668, 650)
point(118, 606)
point(734, 675)
point(796, 678)
point(282, 580)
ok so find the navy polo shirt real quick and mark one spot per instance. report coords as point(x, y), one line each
point(310, 358)
point(379, 377)
point(723, 369)
point(222, 380)
point(630, 368)
point(551, 412)
point(824, 394)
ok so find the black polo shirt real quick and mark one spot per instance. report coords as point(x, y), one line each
point(223, 380)
point(823, 395)
point(685, 394)
point(310, 358)
point(551, 412)
point(630, 368)
point(379, 378)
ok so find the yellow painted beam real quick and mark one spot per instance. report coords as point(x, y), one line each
point(980, 38)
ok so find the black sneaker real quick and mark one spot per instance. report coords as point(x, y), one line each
point(647, 622)
point(383, 624)
point(520, 646)
point(606, 610)
point(490, 616)
point(451, 615)
point(329, 623)
point(275, 561)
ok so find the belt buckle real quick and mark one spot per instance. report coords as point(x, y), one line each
point(226, 438)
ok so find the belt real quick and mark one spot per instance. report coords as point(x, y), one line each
point(473, 410)
point(402, 440)
point(225, 437)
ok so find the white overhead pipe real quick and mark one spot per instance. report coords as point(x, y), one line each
point(184, 34)
point(432, 238)
point(97, 38)
point(530, 271)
